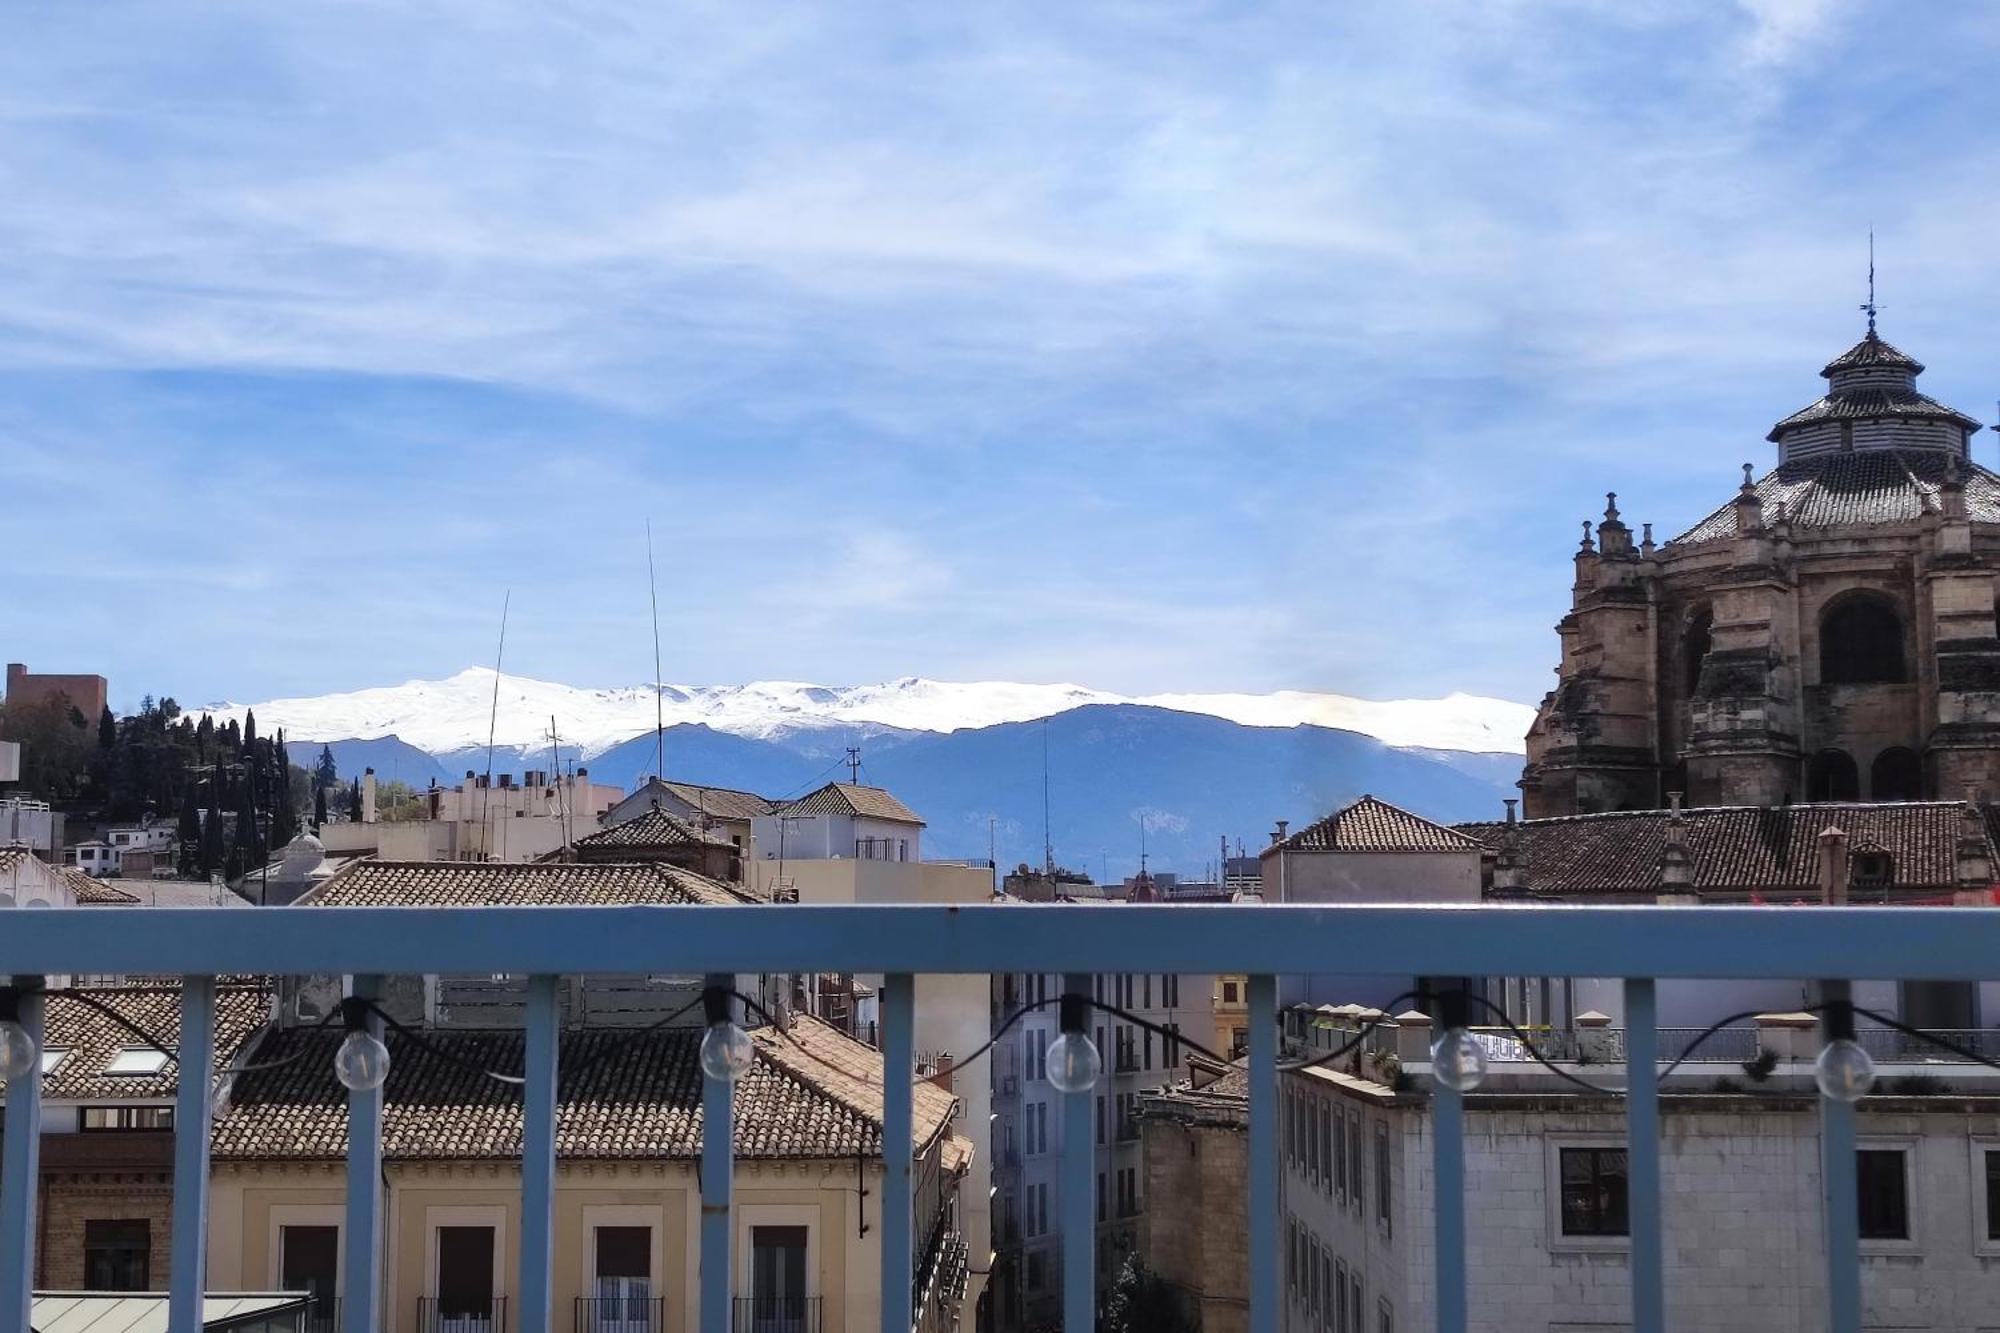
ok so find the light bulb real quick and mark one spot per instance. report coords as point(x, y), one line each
point(1458, 1061)
point(1074, 1063)
point(362, 1062)
point(1843, 1071)
point(726, 1052)
point(17, 1050)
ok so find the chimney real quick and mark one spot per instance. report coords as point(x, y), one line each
point(1510, 869)
point(1832, 857)
point(1975, 867)
point(943, 1077)
point(506, 781)
point(368, 796)
point(1278, 833)
point(1676, 867)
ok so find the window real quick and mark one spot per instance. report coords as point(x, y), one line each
point(1861, 642)
point(622, 1289)
point(1355, 1302)
point(1229, 992)
point(1100, 1197)
point(137, 1060)
point(1896, 775)
point(1339, 1155)
point(52, 1058)
point(1146, 991)
point(127, 1117)
point(1593, 1192)
point(117, 1254)
point(1695, 640)
point(1038, 1270)
point(1170, 984)
point(1332, 1308)
point(1871, 871)
point(1354, 1159)
point(1832, 776)
point(1312, 1139)
point(1382, 1173)
point(1326, 1152)
point(1340, 1297)
point(1100, 1119)
point(465, 1292)
point(1312, 1278)
point(1885, 1201)
point(1991, 1160)
point(778, 1277)
point(309, 1261)
point(1387, 1323)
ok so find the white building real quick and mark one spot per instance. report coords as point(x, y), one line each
point(1547, 1245)
point(477, 820)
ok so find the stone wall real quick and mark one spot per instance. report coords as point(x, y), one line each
point(1195, 1232)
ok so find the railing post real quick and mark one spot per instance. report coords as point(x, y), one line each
point(195, 1070)
point(1262, 997)
point(1079, 1186)
point(718, 1118)
point(1842, 1197)
point(20, 1169)
point(363, 1297)
point(1642, 1154)
point(1448, 1182)
point(539, 1070)
point(899, 1069)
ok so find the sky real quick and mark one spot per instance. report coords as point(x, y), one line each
point(1151, 346)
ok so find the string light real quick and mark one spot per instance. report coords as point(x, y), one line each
point(18, 1055)
point(362, 1062)
point(1844, 1071)
point(1458, 1061)
point(1074, 1060)
point(726, 1049)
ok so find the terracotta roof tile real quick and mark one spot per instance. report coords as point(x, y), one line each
point(1736, 849)
point(847, 798)
point(1872, 351)
point(641, 1099)
point(1869, 486)
point(721, 802)
point(653, 830)
point(370, 883)
point(1370, 825)
point(93, 1040)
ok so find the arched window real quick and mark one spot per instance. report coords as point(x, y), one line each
point(1861, 642)
point(1833, 777)
point(1694, 647)
point(1896, 775)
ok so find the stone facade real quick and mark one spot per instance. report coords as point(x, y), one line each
point(1827, 634)
point(1196, 1149)
point(102, 1177)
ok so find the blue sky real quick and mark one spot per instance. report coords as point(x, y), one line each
point(1152, 346)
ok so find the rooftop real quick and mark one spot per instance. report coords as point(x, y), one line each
point(371, 883)
point(655, 830)
point(641, 1100)
point(1867, 487)
point(94, 1040)
point(1738, 850)
point(1371, 825)
point(849, 798)
point(721, 802)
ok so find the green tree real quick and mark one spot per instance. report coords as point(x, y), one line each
point(354, 803)
point(187, 835)
point(319, 808)
point(1141, 1301)
point(246, 849)
point(55, 747)
point(107, 729)
point(325, 773)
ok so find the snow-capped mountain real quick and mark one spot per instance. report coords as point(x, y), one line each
point(445, 716)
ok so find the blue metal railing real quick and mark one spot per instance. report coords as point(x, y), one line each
point(1262, 942)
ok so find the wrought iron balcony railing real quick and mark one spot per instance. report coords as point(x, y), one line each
point(621, 1314)
point(482, 1314)
point(1261, 942)
point(776, 1314)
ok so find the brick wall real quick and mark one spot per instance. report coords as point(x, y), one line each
point(70, 1201)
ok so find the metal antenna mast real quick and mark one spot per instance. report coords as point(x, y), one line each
point(659, 685)
point(492, 727)
point(1048, 843)
point(1870, 308)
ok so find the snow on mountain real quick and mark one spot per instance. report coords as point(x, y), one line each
point(442, 716)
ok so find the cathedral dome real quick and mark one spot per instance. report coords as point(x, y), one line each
point(1871, 402)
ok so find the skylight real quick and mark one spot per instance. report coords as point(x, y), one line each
point(137, 1060)
point(52, 1058)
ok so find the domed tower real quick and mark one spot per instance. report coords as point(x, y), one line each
point(1827, 634)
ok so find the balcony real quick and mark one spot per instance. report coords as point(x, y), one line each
point(621, 1314)
point(1260, 942)
point(776, 1314)
point(487, 1314)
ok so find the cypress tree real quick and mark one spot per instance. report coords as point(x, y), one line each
point(107, 730)
point(319, 808)
point(246, 849)
point(284, 818)
point(325, 774)
point(354, 803)
point(187, 837)
point(211, 828)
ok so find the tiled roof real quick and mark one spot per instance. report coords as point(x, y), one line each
point(95, 893)
point(721, 802)
point(1735, 849)
point(1872, 351)
point(653, 829)
point(1867, 404)
point(1868, 486)
point(847, 798)
point(1370, 825)
point(641, 1100)
point(94, 1040)
point(372, 883)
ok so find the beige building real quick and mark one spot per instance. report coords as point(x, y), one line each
point(808, 1188)
point(723, 811)
point(477, 820)
point(1828, 634)
point(952, 1012)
